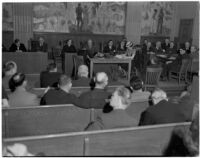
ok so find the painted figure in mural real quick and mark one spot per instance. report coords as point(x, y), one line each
point(85, 18)
point(160, 21)
point(154, 21)
point(79, 12)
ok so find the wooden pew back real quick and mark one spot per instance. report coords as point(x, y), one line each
point(44, 120)
point(136, 141)
point(132, 141)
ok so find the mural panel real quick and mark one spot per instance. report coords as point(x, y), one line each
point(7, 17)
point(88, 17)
point(157, 18)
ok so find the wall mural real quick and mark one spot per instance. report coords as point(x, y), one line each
point(7, 17)
point(157, 18)
point(88, 17)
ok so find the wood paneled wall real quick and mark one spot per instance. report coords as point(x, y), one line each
point(22, 20)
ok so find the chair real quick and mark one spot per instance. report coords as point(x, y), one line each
point(57, 54)
point(181, 73)
point(193, 68)
point(152, 76)
point(77, 61)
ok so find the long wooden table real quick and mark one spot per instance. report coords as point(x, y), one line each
point(27, 62)
point(113, 60)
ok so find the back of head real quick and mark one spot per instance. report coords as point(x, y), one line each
point(64, 81)
point(159, 95)
point(83, 71)
point(10, 68)
point(136, 83)
point(101, 79)
point(16, 80)
point(52, 67)
point(120, 98)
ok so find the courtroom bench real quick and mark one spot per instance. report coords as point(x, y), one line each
point(39, 120)
point(132, 141)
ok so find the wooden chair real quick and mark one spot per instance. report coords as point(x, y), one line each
point(182, 73)
point(193, 68)
point(77, 61)
point(57, 55)
point(152, 77)
point(132, 141)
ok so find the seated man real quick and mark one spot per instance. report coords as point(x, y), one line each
point(42, 46)
point(50, 77)
point(96, 98)
point(9, 70)
point(17, 47)
point(118, 117)
point(162, 111)
point(158, 49)
point(20, 97)
point(176, 64)
point(83, 79)
point(194, 52)
point(138, 94)
point(60, 95)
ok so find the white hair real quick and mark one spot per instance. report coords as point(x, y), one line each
point(159, 95)
point(101, 78)
point(83, 71)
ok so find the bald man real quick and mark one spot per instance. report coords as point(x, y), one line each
point(83, 80)
point(96, 98)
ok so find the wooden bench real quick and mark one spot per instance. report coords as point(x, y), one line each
point(27, 121)
point(132, 141)
point(40, 120)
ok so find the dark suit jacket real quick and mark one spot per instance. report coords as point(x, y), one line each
point(115, 119)
point(42, 48)
point(81, 82)
point(94, 98)
point(13, 47)
point(164, 46)
point(164, 112)
point(157, 51)
point(68, 49)
point(49, 79)
point(108, 50)
point(58, 96)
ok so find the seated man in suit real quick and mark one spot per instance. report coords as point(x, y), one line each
point(118, 117)
point(158, 49)
point(50, 77)
point(176, 64)
point(20, 97)
point(109, 48)
point(166, 44)
point(17, 47)
point(136, 85)
point(83, 79)
point(42, 46)
point(194, 52)
point(162, 111)
point(60, 95)
point(10, 68)
point(187, 47)
point(171, 49)
point(69, 47)
point(96, 98)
